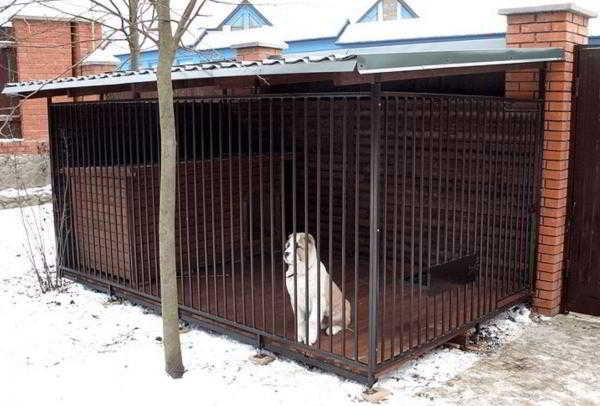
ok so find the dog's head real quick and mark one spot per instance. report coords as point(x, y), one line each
point(303, 246)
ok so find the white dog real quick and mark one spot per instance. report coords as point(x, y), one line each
point(304, 256)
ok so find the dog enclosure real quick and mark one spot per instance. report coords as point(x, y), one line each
point(422, 207)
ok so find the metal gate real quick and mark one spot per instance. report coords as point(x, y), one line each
point(583, 284)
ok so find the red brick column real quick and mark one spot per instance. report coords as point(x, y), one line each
point(562, 26)
point(258, 50)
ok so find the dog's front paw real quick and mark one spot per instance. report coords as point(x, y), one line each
point(334, 330)
point(302, 339)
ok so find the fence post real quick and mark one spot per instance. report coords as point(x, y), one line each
point(374, 226)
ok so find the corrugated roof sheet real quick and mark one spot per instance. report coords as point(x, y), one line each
point(363, 64)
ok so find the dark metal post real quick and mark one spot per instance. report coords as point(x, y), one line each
point(374, 226)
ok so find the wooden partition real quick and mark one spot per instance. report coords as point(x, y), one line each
point(115, 213)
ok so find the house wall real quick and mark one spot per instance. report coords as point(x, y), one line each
point(47, 49)
point(550, 29)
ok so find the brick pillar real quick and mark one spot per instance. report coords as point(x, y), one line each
point(390, 9)
point(562, 26)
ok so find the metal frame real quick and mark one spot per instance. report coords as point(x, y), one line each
point(451, 185)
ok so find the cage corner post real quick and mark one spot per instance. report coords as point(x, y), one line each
point(376, 106)
point(52, 151)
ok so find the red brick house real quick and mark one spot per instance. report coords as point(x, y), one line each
point(32, 48)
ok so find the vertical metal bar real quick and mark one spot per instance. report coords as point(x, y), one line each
point(183, 106)
point(153, 164)
point(243, 223)
point(455, 177)
point(192, 111)
point(75, 184)
point(121, 190)
point(54, 171)
point(251, 216)
point(446, 143)
point(374, 226)
point(344, 178)
point(497, 182)
point(522, 142)
point(127, 195)
point(221, 131)
point(294, 214)
point(507, 203)
point(272, 212)
point(421, 225)
point(205, 157)
point(330, 226)
point(357, 138)
point(403, 234)
point(88, 253)
point(91, 219)
point(396, 136)
point(478, 232)
point(501, 226)
point(212, 158)
point(383, 312)
point(430, 221)
point(283, 206)
point(318, 220)
point(181, 182)
point(261, 215)
point(72, 181)
point(484, 230)
point(306, 226)
point(464, 180)
point(230, 159)
point(412, 220)
point(105, 192)
point(179, 223)
point(137, 216)
point(471, 184)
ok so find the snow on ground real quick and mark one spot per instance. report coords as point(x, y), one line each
point(76, 346)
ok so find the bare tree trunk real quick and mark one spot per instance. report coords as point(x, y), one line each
point(168, 182)
point(134, 35)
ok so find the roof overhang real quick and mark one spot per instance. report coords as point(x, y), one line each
point(386, 63)
point(351, 68)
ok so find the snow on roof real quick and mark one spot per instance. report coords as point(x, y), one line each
point(447, 19)
point(101, 57)
point(415, 28)
point(49, 9)
point(312, 19)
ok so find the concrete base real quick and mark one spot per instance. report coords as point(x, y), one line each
point(24, 171)
point(554, 362)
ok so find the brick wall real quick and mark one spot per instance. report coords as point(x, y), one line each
point(563, 29)
point(257, 53)
point(45, 50)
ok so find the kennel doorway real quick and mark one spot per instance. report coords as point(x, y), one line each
point(422, 207)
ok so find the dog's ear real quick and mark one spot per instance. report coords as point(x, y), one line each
point(311, 239)
point(290, 236)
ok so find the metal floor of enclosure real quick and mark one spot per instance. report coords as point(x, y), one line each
point(422, 206)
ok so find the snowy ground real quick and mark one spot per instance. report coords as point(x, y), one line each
point(77, 347)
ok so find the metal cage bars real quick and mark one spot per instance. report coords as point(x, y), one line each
point(421, 207)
